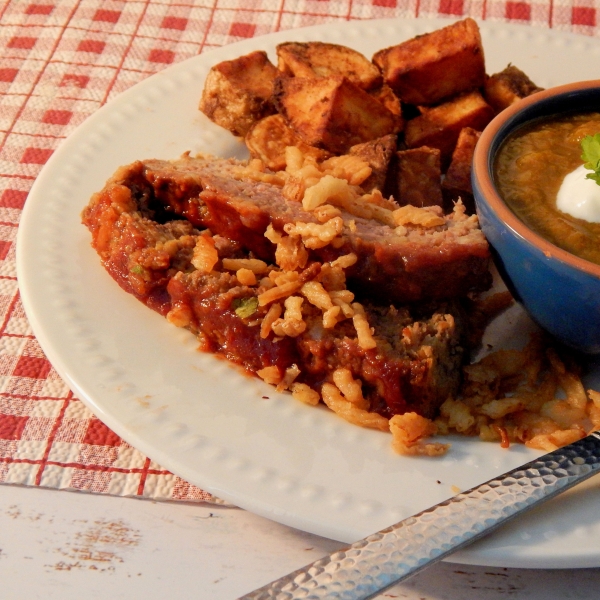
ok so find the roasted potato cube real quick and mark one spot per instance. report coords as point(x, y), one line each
point(419, 177)
point(319, 59)
point(378, 155)
point(269, 138)
point(457, 181)
point(332, 113)
point(436, 65)
point(440, 126)
point(386, 96)
point(503, 89)
point(237, 93)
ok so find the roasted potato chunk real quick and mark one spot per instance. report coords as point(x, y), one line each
point(457, 182)
point(268, 139)
point(319, 59)
point(386, 96)
point(378, 155)
point(440, 126)
point(419, 177)
point(503, 89)
point(237, 93)
point(435, 66)
point(332, 113)
point(413, 114)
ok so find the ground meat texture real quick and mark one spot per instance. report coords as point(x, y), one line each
point(210, 299)
point(425, 264)
point(414, 366)
point(139, 253)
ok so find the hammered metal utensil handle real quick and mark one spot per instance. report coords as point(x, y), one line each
point(383, 559)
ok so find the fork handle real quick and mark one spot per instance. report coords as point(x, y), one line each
point(383, 559)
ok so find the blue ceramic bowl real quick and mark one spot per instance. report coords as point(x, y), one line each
point(560, 291)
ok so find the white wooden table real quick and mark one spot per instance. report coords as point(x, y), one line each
point(72, 546)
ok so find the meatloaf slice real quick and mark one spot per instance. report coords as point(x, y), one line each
point(425, 263)
point(414, 366)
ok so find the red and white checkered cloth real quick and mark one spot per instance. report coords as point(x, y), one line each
point(60, 60)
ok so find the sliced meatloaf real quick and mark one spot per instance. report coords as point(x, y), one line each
point(414, 365)
point(441, 262)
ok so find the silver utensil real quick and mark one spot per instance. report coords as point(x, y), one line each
point(383, 559)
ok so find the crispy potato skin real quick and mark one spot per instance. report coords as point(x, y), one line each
point(457, 182)
point(238, 92)
point(430, 93)
point(510, 85)
point(333, 113)
point(440, 126)
point(419, 176)
point(435, 66)
point(378, 154)
point(320, 59)
point(386, 96)
point(268, 139)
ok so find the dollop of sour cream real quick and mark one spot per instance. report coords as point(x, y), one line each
point(579, 197)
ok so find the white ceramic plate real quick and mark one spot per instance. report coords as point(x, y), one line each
point(198, 416)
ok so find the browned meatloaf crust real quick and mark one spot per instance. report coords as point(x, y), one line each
point(442, 263)
point(414, 366)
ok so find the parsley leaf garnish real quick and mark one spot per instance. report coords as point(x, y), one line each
point(137, 270)
point(245, 307)
point(590, 145)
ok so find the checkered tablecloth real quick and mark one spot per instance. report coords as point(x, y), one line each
point(60, 60)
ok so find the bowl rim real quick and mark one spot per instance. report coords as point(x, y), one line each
point(482, 169)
